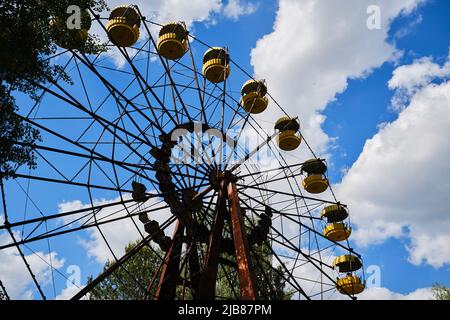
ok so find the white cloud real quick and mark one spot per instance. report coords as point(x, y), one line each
point(399, 185)
point(68, 292)
point(309, 278)
point(379, 293)
point(411, 78)
point(118, 233)
point(315, 48)
point(428, 247)
point(15, 275)
point(235, 8)
point(163, 11)
point(406, 30)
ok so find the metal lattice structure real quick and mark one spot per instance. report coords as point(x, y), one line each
point(131, 134)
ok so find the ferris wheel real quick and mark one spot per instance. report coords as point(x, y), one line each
point(177, 154)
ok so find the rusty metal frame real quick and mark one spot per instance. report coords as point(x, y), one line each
point(170, 272)
point(247, 278)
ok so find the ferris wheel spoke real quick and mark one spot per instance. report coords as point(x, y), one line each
point(39, 100)
point(280, 176)
point(296, 209)
point(236, 112)
point(299, 223)
point(50, 265)
point(317, 263)
point(131, 167)
point(15, 242)
point(252, 153)
point(289, 278)
point(145, 87)
point(139, 76)
point(144, 242)
point(113, 90)
point(197, 82)
point(110, 94)
point(306, 204)
point(79, 220)
point(109, 126)
point(176, 96)
point(72, 101)
point(154, 85)
point(288, 244)
point(164, 64)
point(174, 102)
point(261, 269)
point(183, 90)
point(64, 214)
point(243, 187)
point(322, 292)
point(188, 153)
point(203, 92)
point(274, 169)
point(84, 227)
point(68, 182)
point(120, 264)
point(86, 95)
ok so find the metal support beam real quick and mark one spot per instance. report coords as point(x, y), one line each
point(194, 267)
point(207, 288)
point(247, 278)
point(170, 272)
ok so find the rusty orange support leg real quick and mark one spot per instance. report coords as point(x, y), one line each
point(247, 278)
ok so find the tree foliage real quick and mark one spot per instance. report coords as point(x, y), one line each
point(26, 44)
point(12, 129)
point(269, 279)
point(129, 282)
point(142, 266)
point(440, 292)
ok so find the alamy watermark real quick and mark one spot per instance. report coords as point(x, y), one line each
point(373, 276)
point(199, 146)
point(374, 17)
point(74, 276)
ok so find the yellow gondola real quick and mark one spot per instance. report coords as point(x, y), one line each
point(347, 263)
point(165, 243)
point(216, 64)
point(351, 285)
point(315, 182)
point(334, 213)
point(138, 194)
point(337, 231)
point(288, 138)
point(153, 229)
point(172, 41)
point(123, 26)
point(253, 96)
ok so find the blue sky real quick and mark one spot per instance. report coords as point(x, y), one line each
point(347, 115)
point(355, 116)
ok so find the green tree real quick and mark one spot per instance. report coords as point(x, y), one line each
point(121, 285)
point(26, 43)
point(3, 294)
point(129, 283)
point(440, 292)
point(13, 129)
